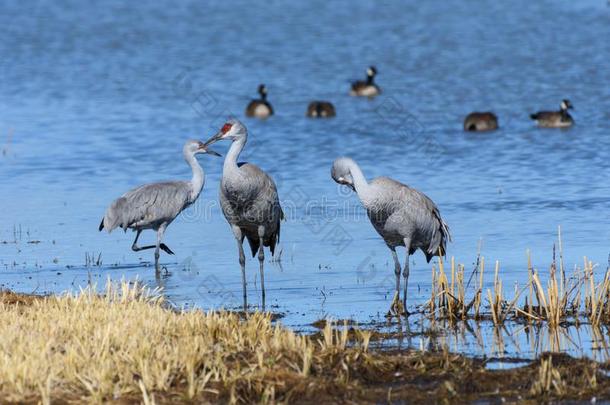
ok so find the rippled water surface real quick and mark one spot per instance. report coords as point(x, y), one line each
point(96, 99)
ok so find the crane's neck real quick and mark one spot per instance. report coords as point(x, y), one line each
point(230, 164)
point(360, 183)
point(198, 176)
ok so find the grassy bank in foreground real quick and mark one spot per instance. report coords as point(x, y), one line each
point(125, 345)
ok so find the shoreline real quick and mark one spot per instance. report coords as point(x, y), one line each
point(123, 344)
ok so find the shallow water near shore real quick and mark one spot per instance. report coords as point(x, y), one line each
point(96, 100)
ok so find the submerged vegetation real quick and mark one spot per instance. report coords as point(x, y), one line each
point(126, 344)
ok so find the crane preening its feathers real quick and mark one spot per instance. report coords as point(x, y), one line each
point(154, 206)
point(249, 201)
point(402, 216)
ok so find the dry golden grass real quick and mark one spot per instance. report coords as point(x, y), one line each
point(126, 343)
point(549, 379)
point(127, 346)
point(9, 297)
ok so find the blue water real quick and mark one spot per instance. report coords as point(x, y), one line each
point(98, 98)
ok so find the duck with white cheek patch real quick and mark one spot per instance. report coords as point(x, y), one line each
point(555, 119)
point(260, 108)
point(366, 88)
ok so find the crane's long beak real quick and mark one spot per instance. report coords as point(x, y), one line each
point(204, 149)
point(343, 182)
point(213, 139)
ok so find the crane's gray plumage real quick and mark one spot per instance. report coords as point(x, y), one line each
point(249, 200)
point(402, 215)
point(154, 206)
point(148, 206)
point(398, 211)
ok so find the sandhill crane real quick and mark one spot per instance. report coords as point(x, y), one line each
point(260, 108)
point(402, 216)
point(249, 201)
point(154, 206)
point(366, 88)
point(555, 119)
point(481, 121)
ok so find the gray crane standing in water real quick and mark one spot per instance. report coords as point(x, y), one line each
point(249, 201)
point(402, 216)
point(154, 206)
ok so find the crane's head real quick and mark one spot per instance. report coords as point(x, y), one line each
point(232, 129)
point(341, 172)
point(565, 104)
point(194, 147)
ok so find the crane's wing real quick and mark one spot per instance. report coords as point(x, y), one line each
point(416, 207)
point(250, 201)
point(147, 206)
point(430, 221)
point(440, 233)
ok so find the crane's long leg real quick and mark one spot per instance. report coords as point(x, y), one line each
point(405, 273)
point(160, 233)
point(396, 270)
point(396, 307)
point(261, 260)
point(242, 261)
point(137, 248)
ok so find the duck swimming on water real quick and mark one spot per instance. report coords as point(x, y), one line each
point(481, 121)
point(366, 88)
point(320, 109)
point(260, 108)
point(555, 119)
